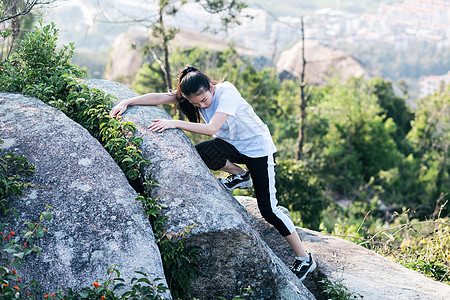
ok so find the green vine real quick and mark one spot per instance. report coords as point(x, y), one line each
point(15, 246)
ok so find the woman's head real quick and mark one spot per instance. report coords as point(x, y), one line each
point(194, 90)
point(192, 82)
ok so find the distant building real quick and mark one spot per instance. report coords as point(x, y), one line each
point(430, 84)
point(424, 19)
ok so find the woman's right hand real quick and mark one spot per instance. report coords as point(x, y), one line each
point(119, 109)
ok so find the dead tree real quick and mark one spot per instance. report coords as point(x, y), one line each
point(301, 131)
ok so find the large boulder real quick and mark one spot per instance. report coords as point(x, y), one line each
point(322, 64)
point(233, 256)
point(97, 220)
point(363, 272)
point(125, 58)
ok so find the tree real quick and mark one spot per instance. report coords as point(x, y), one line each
point(13, 9)
point(10, 11)
point(303, 98)
point(394, 107)
point(15, 15)
point(356, 139)
point(430, 137)
point(157, 47)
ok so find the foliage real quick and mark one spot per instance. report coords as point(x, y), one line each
point(423, 246)
point(393, 107)
point(156, 50)
point(430, 137)
point(12, 171)
point(419, 245)
point(358, 142)
point(14, 247)
point(299, 190)
point(338, 291)
point(179, 261)
point(37, 67)
point(15, 18)
point(246, 294)
point(115, 288)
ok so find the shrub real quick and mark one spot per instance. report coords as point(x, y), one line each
point(299, 190)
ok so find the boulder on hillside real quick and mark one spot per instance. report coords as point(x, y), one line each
point(322, 64)
point(125, 58)
point(233, 255)
point(363, 272)
point(97, 220)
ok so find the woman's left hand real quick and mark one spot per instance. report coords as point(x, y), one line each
point(160, 125)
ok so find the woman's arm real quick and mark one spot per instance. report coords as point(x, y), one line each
point(147, 99)
point(211, 128)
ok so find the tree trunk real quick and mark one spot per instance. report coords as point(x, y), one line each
point(166, 67)
point(301, 131)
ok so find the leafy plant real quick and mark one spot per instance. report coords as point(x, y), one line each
point(12, 170)
point(15, 247)
point(179, 262)
point(338, 291)
point(116, 288)
point(299, 190)
point(423, 246)
point(246, 294)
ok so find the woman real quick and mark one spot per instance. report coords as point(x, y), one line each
point(240, 137)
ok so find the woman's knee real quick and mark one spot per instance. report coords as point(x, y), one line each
point(211, 154)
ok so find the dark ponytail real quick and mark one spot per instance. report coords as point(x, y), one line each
point(191, 81)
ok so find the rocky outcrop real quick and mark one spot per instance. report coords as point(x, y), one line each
point(125, 58)
point(363, 272)
point(233, 256)
point(322, 64)
point(97, 220)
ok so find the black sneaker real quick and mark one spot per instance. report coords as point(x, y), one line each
point(240, 181)
point(301, 268)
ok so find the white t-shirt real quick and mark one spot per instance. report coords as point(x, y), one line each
point(243, 128)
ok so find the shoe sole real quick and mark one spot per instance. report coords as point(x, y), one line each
point(312, 268)
point(242, 185)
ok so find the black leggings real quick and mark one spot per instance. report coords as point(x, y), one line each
point(215, 154)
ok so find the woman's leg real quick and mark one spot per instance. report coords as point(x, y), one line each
point(262, 171)
point(296, 244)
point(232, 168)
point(217, 153)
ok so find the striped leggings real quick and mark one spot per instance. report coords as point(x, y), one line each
point(216, 152)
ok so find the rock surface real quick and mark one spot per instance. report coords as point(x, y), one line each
point(125, 58)
point(361, 271)
point(97, 221)
point(233, 256)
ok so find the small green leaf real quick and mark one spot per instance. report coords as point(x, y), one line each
point(48, 215)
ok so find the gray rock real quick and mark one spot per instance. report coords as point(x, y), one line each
point(363, 272)
point(233, 256)
point(97, 220)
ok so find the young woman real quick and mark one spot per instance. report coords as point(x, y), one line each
point(240, 137)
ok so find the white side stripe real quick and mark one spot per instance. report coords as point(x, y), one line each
point(273, 199)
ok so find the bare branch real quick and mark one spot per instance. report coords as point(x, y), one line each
point(28, 6)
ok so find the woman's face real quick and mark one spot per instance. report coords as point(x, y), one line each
point(203, 99)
